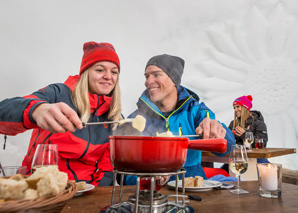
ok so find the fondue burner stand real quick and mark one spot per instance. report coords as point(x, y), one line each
point(147, 198)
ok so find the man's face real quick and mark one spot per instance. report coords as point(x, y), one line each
point(159, 85)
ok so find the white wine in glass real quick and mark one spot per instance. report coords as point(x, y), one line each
point(249, 139)
point(238, 164)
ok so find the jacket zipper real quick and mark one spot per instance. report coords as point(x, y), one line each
point(166, 119)
point(89, 136)
point(87, 147)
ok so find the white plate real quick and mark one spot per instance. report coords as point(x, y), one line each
point(88, 188)
point(208, 185)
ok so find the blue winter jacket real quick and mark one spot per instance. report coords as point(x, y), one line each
point(188, 114)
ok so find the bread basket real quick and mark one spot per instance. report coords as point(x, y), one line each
point(41, 204)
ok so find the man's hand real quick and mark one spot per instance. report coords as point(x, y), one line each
point(211, 129)
point(56, 118)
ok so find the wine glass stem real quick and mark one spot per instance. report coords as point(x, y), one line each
point(238, 181)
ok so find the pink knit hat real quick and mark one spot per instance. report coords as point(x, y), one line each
point(245, 101)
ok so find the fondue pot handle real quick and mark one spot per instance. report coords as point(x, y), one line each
point(218, 145)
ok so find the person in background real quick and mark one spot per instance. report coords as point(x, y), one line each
point(247, 120)
point(56, 112)
point(168, 106)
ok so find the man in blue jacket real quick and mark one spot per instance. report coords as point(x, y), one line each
point(168, 106)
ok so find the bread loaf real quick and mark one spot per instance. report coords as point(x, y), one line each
point(52, 183)
point(189, 182)
point(198, 181)
point(17, 177)
point(12, 189)
point(81, 185)
point(48, 181)
point(39, 173)
point(30, 194)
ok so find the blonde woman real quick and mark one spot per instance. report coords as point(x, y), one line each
point(247, 120)
point(56, 112)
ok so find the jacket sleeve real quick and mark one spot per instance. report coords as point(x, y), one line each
point(261, 131)
point(16, 113)
point(231, 125)
point(13, 115)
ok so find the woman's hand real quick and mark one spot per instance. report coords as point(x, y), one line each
point(56, 118)
point(239, 131)
point(211, 129)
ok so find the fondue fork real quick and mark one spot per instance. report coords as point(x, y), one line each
point(188, 136)
point(109, 122)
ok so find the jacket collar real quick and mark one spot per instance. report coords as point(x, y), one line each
point(183, 95)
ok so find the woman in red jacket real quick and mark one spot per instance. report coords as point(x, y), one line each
point(56, 112)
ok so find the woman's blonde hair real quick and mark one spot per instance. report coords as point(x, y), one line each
point(245, 114)
point(80, 97)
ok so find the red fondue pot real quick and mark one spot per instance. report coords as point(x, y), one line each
point(157, 154)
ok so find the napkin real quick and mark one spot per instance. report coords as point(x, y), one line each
point(222, 178)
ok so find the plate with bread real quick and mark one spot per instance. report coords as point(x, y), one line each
point(195, 184)
point(83, 187)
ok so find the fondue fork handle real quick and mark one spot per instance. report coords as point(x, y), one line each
point(98, 123)
point(195, 197)
point(189, 136)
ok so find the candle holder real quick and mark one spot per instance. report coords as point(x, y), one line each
point(270, 179)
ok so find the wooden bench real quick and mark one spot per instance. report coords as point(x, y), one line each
point(290, 176)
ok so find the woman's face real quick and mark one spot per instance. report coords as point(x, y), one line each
point(237, 110)
point(103, 77)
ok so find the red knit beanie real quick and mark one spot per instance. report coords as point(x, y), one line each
point(245, 101)
point(95, 52)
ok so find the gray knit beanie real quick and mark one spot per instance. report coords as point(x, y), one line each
point(172, 65)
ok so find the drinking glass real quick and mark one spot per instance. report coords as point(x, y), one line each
point(12, 170)
point(249, 139)
point(45, 155)
point(259, 143)
point(238, 165)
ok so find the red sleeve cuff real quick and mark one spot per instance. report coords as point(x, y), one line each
point(28, 121)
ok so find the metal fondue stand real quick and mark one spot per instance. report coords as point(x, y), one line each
point(136, 206)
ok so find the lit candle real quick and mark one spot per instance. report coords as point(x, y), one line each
point(269, 180)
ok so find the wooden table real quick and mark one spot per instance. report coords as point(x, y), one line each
point(212, 201)
point(251, 173)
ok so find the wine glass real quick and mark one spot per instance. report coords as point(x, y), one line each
point(249, 139)
point(238, 165)
point(45, 155)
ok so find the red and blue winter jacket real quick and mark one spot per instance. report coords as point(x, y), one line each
point(84, 154)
